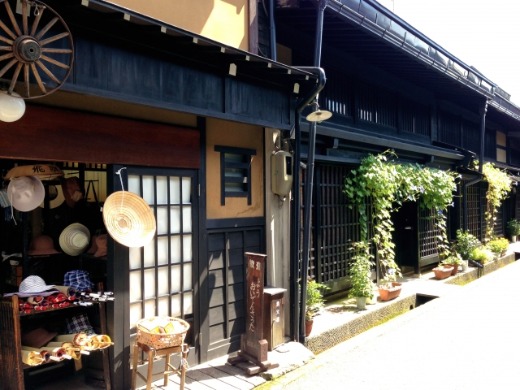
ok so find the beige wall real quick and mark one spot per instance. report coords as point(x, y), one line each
point(238, 135)
point(224, 21)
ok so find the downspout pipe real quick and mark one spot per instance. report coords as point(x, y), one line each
point(309, 178)
point(272, 30)
point(483, 113)
point(296, 293)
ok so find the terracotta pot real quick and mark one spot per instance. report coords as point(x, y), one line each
point(386, 294)
point(308, 327)
point(443, 272)
point(455, 269)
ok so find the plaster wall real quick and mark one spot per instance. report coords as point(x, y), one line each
point(225, 21)
point(223, 133)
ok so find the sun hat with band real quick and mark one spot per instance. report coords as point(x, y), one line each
point(74, 239)
point(128, 219)
point(25, 193)
point(34, 285)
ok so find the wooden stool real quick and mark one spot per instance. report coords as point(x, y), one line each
point(168, 368)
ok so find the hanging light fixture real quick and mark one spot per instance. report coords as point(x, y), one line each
point(12, 106)
point(318, 115)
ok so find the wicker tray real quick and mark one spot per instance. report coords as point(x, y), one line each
point(162, 332)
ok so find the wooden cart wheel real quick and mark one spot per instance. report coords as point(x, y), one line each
point(36, 49)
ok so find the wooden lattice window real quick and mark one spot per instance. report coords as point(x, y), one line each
point(235, 172)
point(415, 119)
point(449, 129)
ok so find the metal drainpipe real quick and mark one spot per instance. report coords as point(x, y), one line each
point(309, 177)
point(295, 290)
point(481, 160)
point(272, 29)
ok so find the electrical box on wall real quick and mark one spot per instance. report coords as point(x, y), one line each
point(281, 173)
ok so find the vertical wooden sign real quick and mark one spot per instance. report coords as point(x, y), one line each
point(253, 345)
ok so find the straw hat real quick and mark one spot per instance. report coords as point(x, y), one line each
point(42, 245)
point(74, 239)
point(128, 219)
point(26, 192)
point(41, 171)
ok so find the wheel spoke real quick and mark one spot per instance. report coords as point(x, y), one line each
point(7, 30)
point(8, 66)
point(15, 76)
point(57, 51)
point(47, 72)
point(25, 18)
point(27, 81)
point(38, 78)
point(7, 56)
point(55, 62)
point(54, 38)
point(13, 19)
point(6, 48)
point(37, 20)
point(46, 28)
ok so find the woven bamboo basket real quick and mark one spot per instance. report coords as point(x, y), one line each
point(162, 332)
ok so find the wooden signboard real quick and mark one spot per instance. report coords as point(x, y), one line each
point(253, 345)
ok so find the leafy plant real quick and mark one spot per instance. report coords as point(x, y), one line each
point(453, 259)
point(498, 246)
point(360, 271)
point(499, 185)
point(379, 186)
point(464, 243)
point(481, 254)
point(513, 227)
point(314, 298)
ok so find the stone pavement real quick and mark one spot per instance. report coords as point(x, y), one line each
point(465, 339)
point(451, 335)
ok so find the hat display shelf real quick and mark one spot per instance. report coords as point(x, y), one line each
point(15, 326)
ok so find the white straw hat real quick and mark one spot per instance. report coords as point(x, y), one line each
point(25, 193)
point(129, 219)
point(74, 239)
point(33, 285)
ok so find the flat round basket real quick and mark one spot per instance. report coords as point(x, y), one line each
point(162, 332)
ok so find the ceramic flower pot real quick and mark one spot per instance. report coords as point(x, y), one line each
point(443, 272)
point(388, 293)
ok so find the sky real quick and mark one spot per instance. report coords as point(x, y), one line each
point(481, 33)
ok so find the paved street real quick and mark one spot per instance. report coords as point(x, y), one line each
point(468, 339)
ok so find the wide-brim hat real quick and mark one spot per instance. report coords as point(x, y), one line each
point(34, 285)
point(25, 193)
point(41, 171)
point(41, 246)
point(129, 219)
point(74, 239)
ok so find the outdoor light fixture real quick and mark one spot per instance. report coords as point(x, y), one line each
point(12, 106)
point(318, 115)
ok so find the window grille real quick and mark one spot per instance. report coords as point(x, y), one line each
point(449, 129)
point(235, 172)
point(377, 106)
point(471, 137)
point(428, 233)
point(415, 119)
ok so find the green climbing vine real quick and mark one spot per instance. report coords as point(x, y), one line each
point(387, 185)
point(499, 186)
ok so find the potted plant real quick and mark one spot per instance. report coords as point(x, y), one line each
point(314, 302)
point(498, 246)
point(513, 227)
point(453, 259)
point(360, 273)
point(481, 255)
point(464, 243)
point(442, 271)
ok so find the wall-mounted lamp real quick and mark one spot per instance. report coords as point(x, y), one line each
point(318, 115)
point(12, 106)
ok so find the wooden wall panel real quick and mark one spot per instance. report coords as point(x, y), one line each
point(50, 134)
